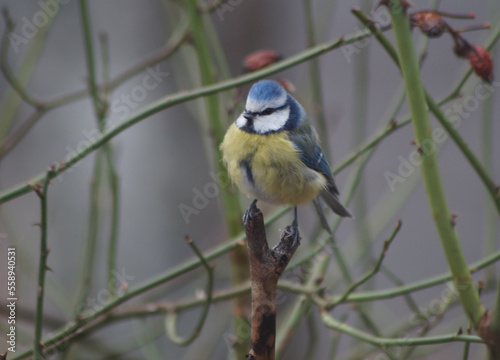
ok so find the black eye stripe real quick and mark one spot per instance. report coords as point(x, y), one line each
point(269, 111)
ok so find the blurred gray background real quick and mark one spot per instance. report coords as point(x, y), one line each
point(161, 160)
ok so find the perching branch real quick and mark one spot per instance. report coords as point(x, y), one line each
point(266, 267)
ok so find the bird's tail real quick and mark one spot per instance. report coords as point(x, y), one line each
point(333, 201)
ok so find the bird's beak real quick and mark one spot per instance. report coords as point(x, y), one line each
point(248, 116)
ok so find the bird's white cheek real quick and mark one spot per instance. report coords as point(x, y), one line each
point(274, 122)
point(241, 121)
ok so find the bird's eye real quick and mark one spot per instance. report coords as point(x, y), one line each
point(267, 111)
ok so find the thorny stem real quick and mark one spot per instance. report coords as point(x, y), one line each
point(42, 267)
point(430, 171)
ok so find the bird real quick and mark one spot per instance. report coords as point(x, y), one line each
point(272, 152)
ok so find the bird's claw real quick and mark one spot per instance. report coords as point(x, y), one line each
point(250, 212)
point(292, 232)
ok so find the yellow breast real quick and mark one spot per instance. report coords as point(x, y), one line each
point(278, 174)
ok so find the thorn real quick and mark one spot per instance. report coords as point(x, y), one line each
point(48, 268)
point(189, 239)
point(460, 331)
point(480, 287)
point(38, 224)
point(453, 219)
point(37, 190)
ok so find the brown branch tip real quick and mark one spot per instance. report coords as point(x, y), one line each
point(266, 267)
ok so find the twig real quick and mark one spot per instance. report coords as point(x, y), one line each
point(9, 76)
point(171, 319)
point(384, 342)
point(14, 138)
point(418, 285)
point(89, 54)
point(93, 231)
point(266, 267)
point(469, 16)
point(375, 269)
point(315, 80)
point(178, 38)
point(42, 267)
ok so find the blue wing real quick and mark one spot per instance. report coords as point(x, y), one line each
point(316, 160)
point(313, 157)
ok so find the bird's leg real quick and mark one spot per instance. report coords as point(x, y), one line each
point(294, 228)
point(250, 211)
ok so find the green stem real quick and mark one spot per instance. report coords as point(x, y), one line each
point(239, 261)
point(42, 268)
point(487, 137)
point(418, 285)
point(316, 93)
point(403, 341)
point(89, 55)
point(93, 230)
point(430, 171)
point(358, 133)
point(171, 319)
point(462, 145)
point(495, 321)
point(114, 186)
point(17, 85)
point(11, 100)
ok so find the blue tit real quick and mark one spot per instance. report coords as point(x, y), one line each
point(272, 153)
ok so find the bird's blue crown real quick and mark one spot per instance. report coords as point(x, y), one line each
point(266, 90)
